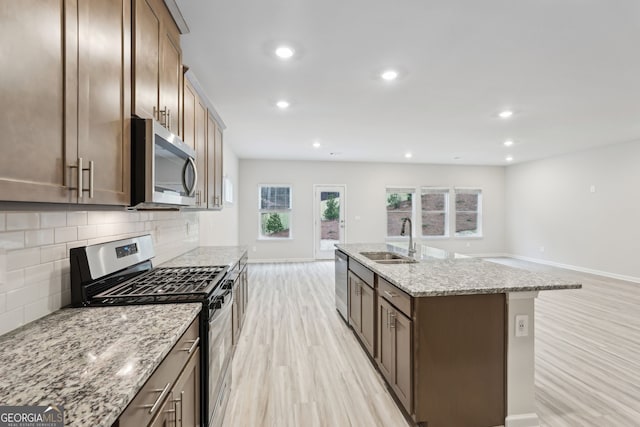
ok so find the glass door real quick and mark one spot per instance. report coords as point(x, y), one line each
point(329, 219)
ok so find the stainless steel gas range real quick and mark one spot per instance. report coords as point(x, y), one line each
point(121, 273)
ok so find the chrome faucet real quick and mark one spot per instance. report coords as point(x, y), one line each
point(412, 246)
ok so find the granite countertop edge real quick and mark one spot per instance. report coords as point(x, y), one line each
point(397, 273)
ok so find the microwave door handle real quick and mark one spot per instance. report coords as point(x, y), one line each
point(192, 190)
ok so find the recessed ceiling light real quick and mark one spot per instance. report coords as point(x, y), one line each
point(509, 158)
point(505, 114)
point(389, 75)
point(284, 52)
point(408, 155)
point(457, 158)
point(316, 144)
point(508, 143)
point(282, 104)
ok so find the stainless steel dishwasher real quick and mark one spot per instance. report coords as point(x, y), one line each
point(342, 285)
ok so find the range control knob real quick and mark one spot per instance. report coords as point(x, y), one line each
point(216, 304)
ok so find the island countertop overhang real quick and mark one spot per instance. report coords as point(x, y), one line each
point(441, 273)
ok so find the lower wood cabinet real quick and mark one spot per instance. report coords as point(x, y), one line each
point(394, 351)
point(172, 394)
point(362, 310)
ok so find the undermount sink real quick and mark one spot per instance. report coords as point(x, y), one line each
point(388, 258)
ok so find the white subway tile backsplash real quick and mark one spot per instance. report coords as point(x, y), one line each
point(22, 220)
point(66, 234)
point(22, 258)
point(12, 240)
point(11, 320)
point(53, 219)
point(39, 273)
point(38, 237)
point(77, 218)
point(34, 249)
point(53, 252)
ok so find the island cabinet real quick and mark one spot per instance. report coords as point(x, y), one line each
point(240, 298)
point(157, 65)
point(443, 357)
point(66, 110)
point(171, 396)
point(395, 341)
point(362, 309)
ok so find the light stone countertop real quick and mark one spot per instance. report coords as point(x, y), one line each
point(207, 256)
point(440, 273)
point(91, 360)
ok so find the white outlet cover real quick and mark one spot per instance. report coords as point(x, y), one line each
point(592, 188)
point(522, 325)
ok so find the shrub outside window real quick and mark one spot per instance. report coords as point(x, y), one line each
point(274, 207)
point(399, 205)
point(468, 212)
point(435, 212)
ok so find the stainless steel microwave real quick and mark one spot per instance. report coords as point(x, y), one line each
point(163, 168)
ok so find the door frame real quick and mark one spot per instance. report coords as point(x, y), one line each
point(316, 216)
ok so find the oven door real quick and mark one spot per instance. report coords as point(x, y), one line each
point(163, 167)
point(220, 348)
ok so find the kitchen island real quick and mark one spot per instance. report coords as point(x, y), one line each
point(441, 328)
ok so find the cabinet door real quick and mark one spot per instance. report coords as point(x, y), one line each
point(385, 340)
point(214, 164)
point(104, 100)
point(186, 393)
point(201, 152)
point(368, 311)
point(146, 58)
point(236, 312)
point(38, 113)
point(189, 115)
point(355, 303)
point(402, 385)
point(171, 73)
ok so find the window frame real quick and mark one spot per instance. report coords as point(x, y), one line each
point(412, 213)
point(479, 211)
point(262, 211)
point(447, 212)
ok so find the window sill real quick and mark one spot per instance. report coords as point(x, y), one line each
point(273, 239)
point(435, 237)
point(469, 237)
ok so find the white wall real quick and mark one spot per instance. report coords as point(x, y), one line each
point(549, 204)
point(366, 198)
point(221, 227)
point(34, 251)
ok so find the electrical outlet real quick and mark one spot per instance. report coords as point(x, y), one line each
point(468, 244)
point(541, 248)
point(253, 248)
point(592, 188)
point(522, 325)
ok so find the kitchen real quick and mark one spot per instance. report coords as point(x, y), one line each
point(526, 210)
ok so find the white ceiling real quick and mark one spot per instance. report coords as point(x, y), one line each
point(570, 69)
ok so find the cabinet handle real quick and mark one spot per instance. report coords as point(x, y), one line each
point(80, 183)
point(194, 344)
point(176, 402)
point(90, 179)
point(156, 113)
point(168, 118)
point(392, 320)
point(198, 197)
point(390, 294)
point(160, 398)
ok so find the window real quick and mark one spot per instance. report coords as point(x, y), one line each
point(435, 212)
point(274, 207)
point(399, 205)
point(468, 212)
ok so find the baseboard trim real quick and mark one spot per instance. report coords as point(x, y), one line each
point(489, 255)
point(577, 268)
point(281, 260)
point(522, 420)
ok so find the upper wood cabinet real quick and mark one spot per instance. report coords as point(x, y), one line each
point(157, 65)
point(195, 135)
point(65, 83)
point(214, 163)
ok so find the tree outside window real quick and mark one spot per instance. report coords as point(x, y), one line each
point(274, 206)
point(399, 205)
point(435, 212)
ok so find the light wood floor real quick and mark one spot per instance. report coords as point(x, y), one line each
point(298, 364)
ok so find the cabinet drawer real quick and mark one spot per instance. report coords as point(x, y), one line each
point(395, 296)
point(148, 402)
point(362, 272)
